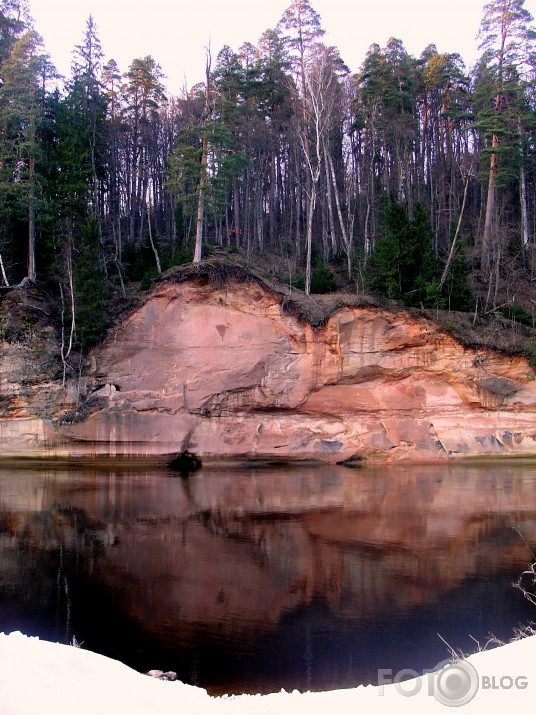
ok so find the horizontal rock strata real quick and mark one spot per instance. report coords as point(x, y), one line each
point(226, 372)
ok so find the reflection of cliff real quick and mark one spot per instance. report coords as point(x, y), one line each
point(385, 540)
point(227, 372)
point(227, 553)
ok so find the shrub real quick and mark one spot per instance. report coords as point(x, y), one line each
point(531, 354)
point(518, 313)
point(90, 289)
point(147, 278)
point(137, 260)
point(456, 290)
point(322, 280)
point(178, 258)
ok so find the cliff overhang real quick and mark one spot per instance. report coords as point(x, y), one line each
point(219, 361)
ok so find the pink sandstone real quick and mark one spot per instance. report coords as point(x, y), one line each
point(225, 372)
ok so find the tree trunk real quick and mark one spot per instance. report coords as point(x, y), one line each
point(346, 241)
point(2, 269)
point(490, 208)
point(272, 212)
point(32, 272)
point(309, 237)
point(453, 244)
point(203, 169)
point(200, 212)
point(153, 246)
point(525, 230)
point(298, 220)
point(236, 213)
point(367, 239)
point(331, 220)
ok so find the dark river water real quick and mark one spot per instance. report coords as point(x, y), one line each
point(253, 580)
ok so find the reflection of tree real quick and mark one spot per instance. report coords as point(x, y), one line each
point(526, 583)
point(45, 554)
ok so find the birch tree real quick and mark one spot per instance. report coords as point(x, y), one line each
point(303, 22)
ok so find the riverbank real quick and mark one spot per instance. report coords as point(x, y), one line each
point(218, 363)
point(41, 677)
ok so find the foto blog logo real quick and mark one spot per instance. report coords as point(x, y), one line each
point(452, 684)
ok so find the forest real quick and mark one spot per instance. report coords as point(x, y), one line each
point(412, 179)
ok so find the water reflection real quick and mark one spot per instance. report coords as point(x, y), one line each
point(257, 579)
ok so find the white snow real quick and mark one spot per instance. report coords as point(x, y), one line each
point(42, 678)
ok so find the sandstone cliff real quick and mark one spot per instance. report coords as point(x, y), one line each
point(226, 370)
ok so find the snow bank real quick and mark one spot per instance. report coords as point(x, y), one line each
point(42, 678)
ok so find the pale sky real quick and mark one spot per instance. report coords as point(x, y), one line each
point(175, 32)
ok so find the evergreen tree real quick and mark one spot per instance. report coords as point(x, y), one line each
point(386, 114)
point(143, 94)
point(21, 109)
point(111, 81)
point(403, 266)
point(86, 93)
point(90, 288)
point(188, 174)
point(14, 21)
point(507, 39)
point(444, 155)
point(275, 151)
point(273, 91)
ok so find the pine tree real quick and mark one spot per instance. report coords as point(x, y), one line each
point(24, 74)
point(87, 93)
point(386, 112)
point(14, 21)
point(507, 40)
point(143, 93)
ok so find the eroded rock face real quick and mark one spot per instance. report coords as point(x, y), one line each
point(224, 372)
